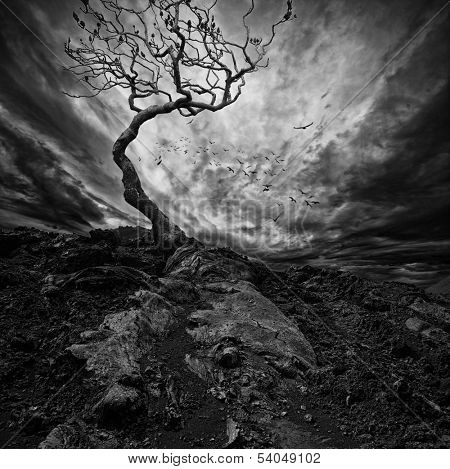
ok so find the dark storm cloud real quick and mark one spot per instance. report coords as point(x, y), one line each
point(380, 170)
point(32, 81)
point(48, 193)
point(390, 201)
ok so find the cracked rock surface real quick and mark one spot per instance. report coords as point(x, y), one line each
point(109, 344)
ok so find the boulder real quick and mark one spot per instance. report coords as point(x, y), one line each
point(178, 290)
point(213, 264)
point(415, 324)
point(228, 357)
point(124, 338)
point(249, 318)
point(121, 403)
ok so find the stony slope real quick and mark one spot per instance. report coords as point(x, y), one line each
point(107, 343)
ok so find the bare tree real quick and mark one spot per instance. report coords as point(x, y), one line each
point(171, 52)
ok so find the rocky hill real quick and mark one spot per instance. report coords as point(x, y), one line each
point(107, 342)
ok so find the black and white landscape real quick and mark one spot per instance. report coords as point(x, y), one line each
point(224, 224)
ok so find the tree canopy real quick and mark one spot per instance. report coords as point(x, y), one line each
point(164, 49)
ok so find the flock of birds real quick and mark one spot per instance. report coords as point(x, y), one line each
point(272, 164)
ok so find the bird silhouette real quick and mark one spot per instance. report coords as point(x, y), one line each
point(276, 219)
point(303, 193)
point(279, 205)
point(239, 161)
point(315, 202)
point(246, 173)
point(303, 127)
point(292, 199)
point(268, 159)
point(308, 204)
point(266, 189)
point(230, 169)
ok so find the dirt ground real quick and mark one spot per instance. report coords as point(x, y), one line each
point(382, 379)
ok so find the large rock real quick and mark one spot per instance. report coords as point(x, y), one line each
point(194, 261)
point(440, 288)
point(431, 311)
point(178, 291)
point(247, 317)
point(121, 403)
point(76, 434)
point(114, 352)
point(99, 277)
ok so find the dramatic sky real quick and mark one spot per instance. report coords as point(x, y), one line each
point(376, 156)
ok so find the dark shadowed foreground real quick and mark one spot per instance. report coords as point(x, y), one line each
point(107, 343)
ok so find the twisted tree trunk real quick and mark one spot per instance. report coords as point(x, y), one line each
point(165, 234)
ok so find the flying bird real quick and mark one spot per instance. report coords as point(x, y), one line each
point(276, 219)
point(308, 204)
point(315, 202)
point(230, 169)
point(303, 127)
point(292, 199)
point(266, 189)
point(239, 161)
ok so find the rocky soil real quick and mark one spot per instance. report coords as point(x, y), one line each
point(107, 342)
